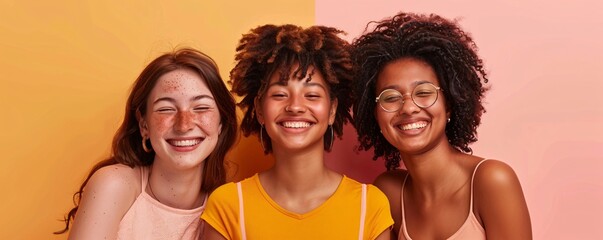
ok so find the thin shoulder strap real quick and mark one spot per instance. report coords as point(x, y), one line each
point(472, 177)
point(241, 212)
point(402, 230)
point(144, 177)
point(362, 212)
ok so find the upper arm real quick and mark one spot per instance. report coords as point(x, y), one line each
point(106, 198)
point(210, 233)
point(500, 202)
point(390, 183)
point(385, 235)
point(221, 214)
point(378, 218)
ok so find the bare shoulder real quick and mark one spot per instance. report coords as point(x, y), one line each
point(119, 182)
point(493, 175)
point(108, 195)
point(116, 178)
point(495, 180)
point(499, 202)
point(390, 183)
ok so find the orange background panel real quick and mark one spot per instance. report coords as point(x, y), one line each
point(66, 68)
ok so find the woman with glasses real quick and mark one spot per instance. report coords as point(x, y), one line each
point(295, 88)
point(418, 99)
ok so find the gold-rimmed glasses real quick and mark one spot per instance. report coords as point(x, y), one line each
point(423, 95)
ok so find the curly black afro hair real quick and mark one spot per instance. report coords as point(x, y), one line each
point(269, 49)
point(443, 45)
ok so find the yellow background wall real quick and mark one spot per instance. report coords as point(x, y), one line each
point(65, 71)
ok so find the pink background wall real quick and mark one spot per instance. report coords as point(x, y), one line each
point(66, 68)
point(545, 110)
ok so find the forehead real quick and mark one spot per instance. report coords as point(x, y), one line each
point(180, 81)
point(312, 75)
point(406, 72)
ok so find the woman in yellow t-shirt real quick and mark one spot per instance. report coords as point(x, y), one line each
point(295, 86)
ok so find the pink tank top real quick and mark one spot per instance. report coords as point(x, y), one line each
point(147, 218)
point(471, 228)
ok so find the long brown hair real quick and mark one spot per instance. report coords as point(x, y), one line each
point(127, 148)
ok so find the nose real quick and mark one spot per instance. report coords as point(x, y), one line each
point(296, 105)
point(185, 121)
point(408, 107)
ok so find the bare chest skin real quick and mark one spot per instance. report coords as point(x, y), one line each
point(436, 218)
point(303, 197)
point(436, 213)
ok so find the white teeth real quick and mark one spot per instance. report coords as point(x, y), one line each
point(296, 124)
point(185, 143)
point(412, 126)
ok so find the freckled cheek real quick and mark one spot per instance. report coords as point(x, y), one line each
point(209, 123)
point(160, 123)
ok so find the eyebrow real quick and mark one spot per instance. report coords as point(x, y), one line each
point(414, 84)
point(306, 84)
point(172, 100)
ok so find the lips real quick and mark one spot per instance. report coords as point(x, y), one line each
point(184, 142)
point(413, 125)
point(296, 124)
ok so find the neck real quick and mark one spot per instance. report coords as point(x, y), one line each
point(299, 180)
point(299, 171)
point(435, 171)
point(176, 188)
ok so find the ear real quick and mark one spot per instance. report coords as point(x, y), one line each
point(142, 124)
point(333, 111)
point(259, 113)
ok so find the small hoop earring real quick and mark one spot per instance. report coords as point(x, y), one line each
point(262, 138)
point(448, 119)
point(144, 145)
point(332, 139)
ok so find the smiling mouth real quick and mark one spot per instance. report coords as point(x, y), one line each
point(296, 124)
point(413, 126)
point(185, 143)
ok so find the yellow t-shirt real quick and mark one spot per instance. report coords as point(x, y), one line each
point(337, 218)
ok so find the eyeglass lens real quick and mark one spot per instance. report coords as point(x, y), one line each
point(424, 95)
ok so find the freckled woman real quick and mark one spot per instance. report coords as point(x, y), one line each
point(167, 156)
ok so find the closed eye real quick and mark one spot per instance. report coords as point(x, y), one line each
point(201, 109)
point(424, 93)
point(394, 98)
point(278, 95)
point(313, 96)
point(165, 110)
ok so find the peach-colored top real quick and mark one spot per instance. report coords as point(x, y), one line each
point(149, 219)
point(471, 228)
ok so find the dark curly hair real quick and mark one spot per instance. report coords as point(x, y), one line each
point(443, 45)
point(269, 49)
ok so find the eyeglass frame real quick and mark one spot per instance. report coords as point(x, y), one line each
point(411, 98)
